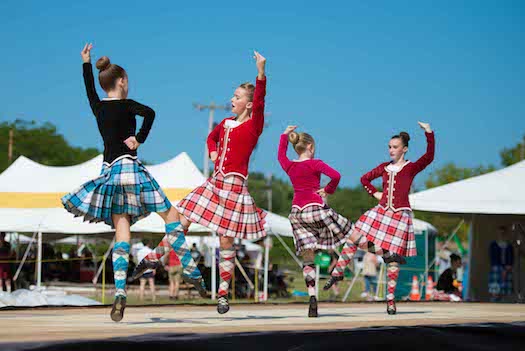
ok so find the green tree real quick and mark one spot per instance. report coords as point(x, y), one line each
point(451, 173)
point(510, 156)
point(41, 143)
point(282, 193)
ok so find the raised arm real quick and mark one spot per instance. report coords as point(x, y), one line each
point(257, 119)
point(283, 147)
point(89, 80)
point(428, 157)
point(149, 116)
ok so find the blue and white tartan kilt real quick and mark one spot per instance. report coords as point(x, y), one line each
point(498, 285)
point(125, 187)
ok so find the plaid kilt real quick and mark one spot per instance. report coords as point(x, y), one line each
point(125, 187)
point(224, 205)
point(498, 285)
point(318, 227)
point(392, 231)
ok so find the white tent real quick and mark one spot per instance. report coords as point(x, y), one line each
point(421, 227)
point(487, 201)
point(499, 192)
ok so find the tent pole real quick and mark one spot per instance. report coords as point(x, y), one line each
point(213, 267)
point(451, 236)
point(243, 272)
point(266, 266)
point(28, 248)
point(466, 293)
point(426, 259)
point(95, 278)
point(351, 284)
point(298, 261)
point(39, 260)
point(317, 274)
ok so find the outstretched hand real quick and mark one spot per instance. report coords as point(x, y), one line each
point(86, 53)
point(425, 127)
point(289, 129)
point(260, 62)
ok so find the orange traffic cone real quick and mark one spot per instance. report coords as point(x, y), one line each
point(429, 291)
point(414, 293)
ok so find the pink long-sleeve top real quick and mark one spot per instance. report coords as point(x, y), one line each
point(306, 177)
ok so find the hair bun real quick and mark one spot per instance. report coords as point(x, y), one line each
point(405, 136)
point(103, 63)
point(293, 137)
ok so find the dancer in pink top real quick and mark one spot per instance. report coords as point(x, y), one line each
point(315, 225)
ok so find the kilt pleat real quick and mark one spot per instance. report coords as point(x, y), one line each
point(224, 205)
point(318, 227)
point(125, 187)
point(392, 231)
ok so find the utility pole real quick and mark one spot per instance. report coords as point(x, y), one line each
point(10, 147)
point(269, 192)
point(522, 149)
point(211, 107)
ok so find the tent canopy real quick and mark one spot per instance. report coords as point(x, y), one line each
point(498, 192)
point(27, 184)
point(30, 197)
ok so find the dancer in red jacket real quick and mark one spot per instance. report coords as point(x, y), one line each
point(223, 203)
point(387, 229)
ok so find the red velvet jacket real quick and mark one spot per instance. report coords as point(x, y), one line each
point(396, 185)
point(236, 143)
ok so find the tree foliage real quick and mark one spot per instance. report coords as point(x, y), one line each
point(41, 143)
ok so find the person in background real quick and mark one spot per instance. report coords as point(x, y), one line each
point(501, 262)
point(448, 287)
point(195, 253)
point(443, 257)
point(174, 270)
point(5, 267)
point(149, 275)
point(370, 264)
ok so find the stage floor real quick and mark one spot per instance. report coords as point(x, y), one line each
point(94, 323)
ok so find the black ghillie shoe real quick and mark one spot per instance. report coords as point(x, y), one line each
point(117, 311)
point(198, 283)
point(312, 310)
point(142, 267)
point(223, 305)
point(391, 307)
point(332, 280)
point(394, 258)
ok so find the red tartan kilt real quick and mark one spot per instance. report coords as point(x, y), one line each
point(224, 205)
point(392, 231)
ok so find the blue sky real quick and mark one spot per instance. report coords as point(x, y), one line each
point(350, 73)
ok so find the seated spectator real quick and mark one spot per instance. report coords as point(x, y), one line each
point(447, 287)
